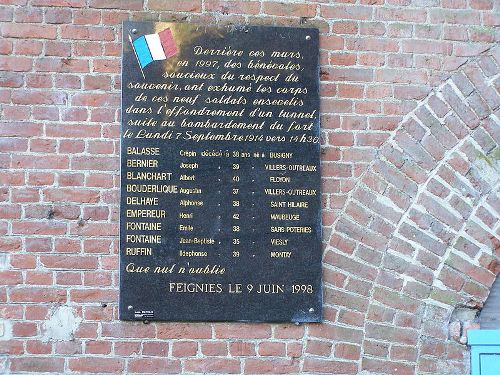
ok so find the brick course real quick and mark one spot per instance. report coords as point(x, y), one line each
point(409, 101)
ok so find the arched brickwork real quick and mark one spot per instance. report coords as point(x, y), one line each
point(419, 234)
point(410, 206)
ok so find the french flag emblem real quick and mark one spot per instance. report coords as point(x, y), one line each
point(154, 47)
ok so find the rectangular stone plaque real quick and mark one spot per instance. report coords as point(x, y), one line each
point(220, 176)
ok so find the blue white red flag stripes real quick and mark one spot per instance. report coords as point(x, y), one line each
point(154, 47)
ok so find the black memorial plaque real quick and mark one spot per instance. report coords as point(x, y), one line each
point(220, 177)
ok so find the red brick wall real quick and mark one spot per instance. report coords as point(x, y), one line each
point(410, 179)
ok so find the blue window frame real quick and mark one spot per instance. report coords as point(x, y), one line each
point(485, 351)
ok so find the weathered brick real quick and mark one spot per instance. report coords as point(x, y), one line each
point(345, 27)
point(95, 100)
point(347, 74)
point(38, 347)
point(435, 208)
point(320, 366)
point(346, 12)
point(102, 295)
point(154, 365)
point(337, 332)
point(283, 9)
point(213, 365)
point(95, 163)
point(86, 17)
point(97, 347)
point(15, 64)
point(57, 15)
point(351, 301)
point(37, 364)
point(68, 262)
point(15, 113)
point(233, 6)
point(371, 139)
point(87, 33)
point(400, 14)
point(33, 227)
point(376, 365)
point(214, 349)
point(242, 331)
point(48, 162)
point(376, 348)
point(14, 278)
point(29, 31)
point(34, 97)
point(117, 4)
point(62, 65)
point(242, 349)
point(20, 129)
point(482, 236)
point(173, 5)
point(411, 92)
point(59, 3)
point(463, 111)
point(427, 46)
point(415, 150)
point(347, 351)
point(319, 348)
point(96, 365)
point(37, 295)
point(401, 76)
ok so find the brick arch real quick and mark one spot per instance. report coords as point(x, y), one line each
point(418, 234)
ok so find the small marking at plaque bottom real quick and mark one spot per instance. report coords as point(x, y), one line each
point(144, 314)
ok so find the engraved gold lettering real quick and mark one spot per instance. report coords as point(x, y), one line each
point(195, 288)
point(133, 188)
point(226, 51)
point(188, 191)
point(134, 225)
point(143, 238)
point(139, 163)
point(279, 179)
point(152, 176)
point(293, 204)
point(270, 289)
point(280, 254)
point(197, 241)
point(189, 165)
point(189, 154)
point(155, 214)
point(279, 241)
point(275, 167)
point(132, 268)
point(142, 201)
point(301, 192)
point(298, 229)
point(208, 270)
point(133, 251)
point(285, 217)
point(275, 191)
point(187, 202)
point(302, 168)
point(150, 151)
point(184, 253)
point(281, 155)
